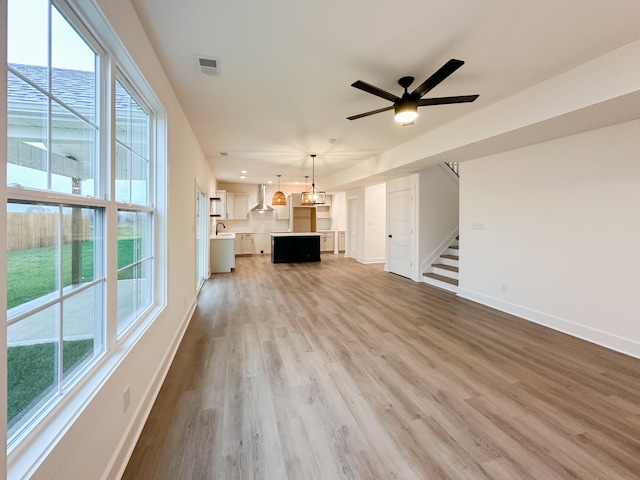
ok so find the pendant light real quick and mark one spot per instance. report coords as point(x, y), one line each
point(313, 197)
point(279, 199)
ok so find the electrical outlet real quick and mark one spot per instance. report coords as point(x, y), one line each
point(126, 399)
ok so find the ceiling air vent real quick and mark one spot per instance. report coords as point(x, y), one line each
point(208, 66)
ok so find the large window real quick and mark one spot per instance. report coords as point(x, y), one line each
point(132, 149)
point(55, 299)
point(135, 266)
point(135, 219)
point(71, 179)
point(52, 111)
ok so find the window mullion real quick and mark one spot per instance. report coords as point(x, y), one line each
point(49, 100)
point(111, 212)
point(60, 353)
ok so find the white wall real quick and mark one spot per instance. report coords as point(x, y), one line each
point(358, 196)
point(561, 234)
point(338, 211)
point(438, 205)
point(375, 227)
point(98, 442)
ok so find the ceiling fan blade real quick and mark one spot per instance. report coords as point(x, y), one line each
point(445, 100)
point(442, 73)
point(375, 91)
point(355, 117)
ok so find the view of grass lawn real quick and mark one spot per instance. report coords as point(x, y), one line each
point(32, 273)
point(32, 369)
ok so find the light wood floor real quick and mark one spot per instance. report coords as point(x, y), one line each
point(337, 370)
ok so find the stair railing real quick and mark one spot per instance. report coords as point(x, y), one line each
point(454, 167)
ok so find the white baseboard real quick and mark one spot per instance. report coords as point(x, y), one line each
point(371, 260)
point(599, 337)
point(123, 453)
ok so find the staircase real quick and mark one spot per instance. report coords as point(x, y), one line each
point(444, 273)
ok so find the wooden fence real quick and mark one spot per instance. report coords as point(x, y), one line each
point(26, 230)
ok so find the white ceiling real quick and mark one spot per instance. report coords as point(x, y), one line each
point(286, 67)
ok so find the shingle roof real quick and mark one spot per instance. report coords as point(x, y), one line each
point(75, 88)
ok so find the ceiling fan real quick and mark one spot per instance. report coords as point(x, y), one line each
point(406, 107)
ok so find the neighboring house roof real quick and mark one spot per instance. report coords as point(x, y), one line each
point(75, 88)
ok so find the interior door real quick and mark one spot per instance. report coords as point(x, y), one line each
point(202, 238)
point(400, 235)
point(353, 228)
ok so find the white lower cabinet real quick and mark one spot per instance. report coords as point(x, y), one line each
point(244, 244)
point(327, 242)
point(341, 241)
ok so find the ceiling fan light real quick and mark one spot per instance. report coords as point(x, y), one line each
point(406, 113)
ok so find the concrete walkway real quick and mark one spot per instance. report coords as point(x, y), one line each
point(79, 321)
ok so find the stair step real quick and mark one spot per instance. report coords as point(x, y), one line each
point(454, 247)
point(442, 278)
point(445, 267)
point(451, 257)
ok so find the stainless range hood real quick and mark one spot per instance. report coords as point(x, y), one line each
point(262, 206)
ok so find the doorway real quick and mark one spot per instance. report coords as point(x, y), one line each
point(202, 238)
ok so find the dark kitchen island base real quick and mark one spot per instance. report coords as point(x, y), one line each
point(295, 247)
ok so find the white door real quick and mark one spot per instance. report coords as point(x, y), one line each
point(400, 233)
point(353, 228)
point(202, 238)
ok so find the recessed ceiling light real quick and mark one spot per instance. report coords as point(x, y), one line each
point(269, 182)
point(243, 171)
point(243, 176)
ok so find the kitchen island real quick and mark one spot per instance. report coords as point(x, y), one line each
point(287, 247)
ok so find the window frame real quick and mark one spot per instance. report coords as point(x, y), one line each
point(122, 78)
point(32, 442)
point(101, 114)
point(57, 298)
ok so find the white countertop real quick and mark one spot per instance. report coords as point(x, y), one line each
point(295, 234)
point(223, 236)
